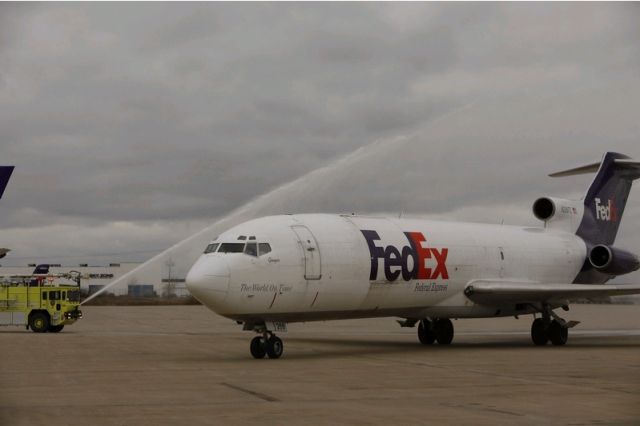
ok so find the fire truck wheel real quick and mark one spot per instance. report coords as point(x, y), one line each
point(56, 328)
point(39, 322)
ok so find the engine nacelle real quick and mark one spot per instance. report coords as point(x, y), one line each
point(558, 212)
point(612, 260)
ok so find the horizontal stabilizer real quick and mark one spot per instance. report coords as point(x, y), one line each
point(589, 168)
point(5, 175)
point(629, 168)
point(500, 292)
point(626, 166)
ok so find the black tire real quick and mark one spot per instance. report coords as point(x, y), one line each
point(539, 333)
point(275, 347)
point(558, 334)
point(56, 328)
point(425, 333)
point(258, 350)
point(444, 331)
point(39, 322)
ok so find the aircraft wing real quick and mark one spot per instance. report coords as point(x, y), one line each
point(496, 292)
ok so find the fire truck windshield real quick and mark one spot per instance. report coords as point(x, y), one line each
point(73, 295)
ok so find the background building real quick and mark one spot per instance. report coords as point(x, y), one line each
point(159, 282)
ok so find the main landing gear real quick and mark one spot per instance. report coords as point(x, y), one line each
point(440, 330)
point(268, 344)
point(546, 329)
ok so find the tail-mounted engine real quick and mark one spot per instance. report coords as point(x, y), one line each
point(612, 260)
point(559, 213)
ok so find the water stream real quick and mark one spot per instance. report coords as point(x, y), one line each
point(185, 253)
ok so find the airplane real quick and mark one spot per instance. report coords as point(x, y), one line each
point(5, 175)
point(275, 270)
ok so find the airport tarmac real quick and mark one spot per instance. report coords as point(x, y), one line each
point(184, 365)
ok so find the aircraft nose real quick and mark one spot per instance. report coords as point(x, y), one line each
point(208, 280)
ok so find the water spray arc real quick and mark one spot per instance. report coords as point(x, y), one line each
point(272, 202)
point(264, 204)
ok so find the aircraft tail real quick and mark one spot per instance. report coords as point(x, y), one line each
point(41, 269)
point(5, 175)
point(607, 196)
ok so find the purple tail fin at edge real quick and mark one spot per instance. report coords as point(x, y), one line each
point(5, 175)
point(606, 198)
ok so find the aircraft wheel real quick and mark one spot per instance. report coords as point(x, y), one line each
point(39, 322)
point(557, 333)
point(426, 334)
point(444, 331)
point(539, 333)
point(56, 328)
point(275, 347)
point(258, 350)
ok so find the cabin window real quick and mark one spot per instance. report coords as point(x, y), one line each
point(242, 237)
point(54, 295)
point(211, 248)
point(251, 249)
point(44, 295)
point(231, 248)
point(264, 248)
point(64, 295)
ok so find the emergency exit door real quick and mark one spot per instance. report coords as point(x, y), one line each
point(312, 264)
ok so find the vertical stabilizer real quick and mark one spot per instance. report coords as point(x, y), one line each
point(606, 198)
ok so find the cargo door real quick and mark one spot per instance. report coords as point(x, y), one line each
point(309, 245)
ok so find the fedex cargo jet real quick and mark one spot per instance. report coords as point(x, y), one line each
point(293, 268)
point(5, 175)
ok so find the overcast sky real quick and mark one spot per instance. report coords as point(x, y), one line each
point(132, 126)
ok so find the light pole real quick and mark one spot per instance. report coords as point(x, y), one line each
point(169, 289)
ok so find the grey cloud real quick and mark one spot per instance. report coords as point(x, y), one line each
point(172, 114)
point(198, 25)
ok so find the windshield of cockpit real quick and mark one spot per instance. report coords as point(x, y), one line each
point(247, 245)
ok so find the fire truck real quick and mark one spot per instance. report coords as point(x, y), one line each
point(42, 302)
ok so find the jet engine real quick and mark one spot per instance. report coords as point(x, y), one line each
point(612, 260)
point(558, 213)
point(544, 208)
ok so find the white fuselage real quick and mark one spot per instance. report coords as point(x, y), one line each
point(325, 267)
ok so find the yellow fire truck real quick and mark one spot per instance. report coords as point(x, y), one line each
point(39, 302)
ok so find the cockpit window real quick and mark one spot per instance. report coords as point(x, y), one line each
point(251, 249)
point(231, 248)
point(242, 237)
point(211, 248)
point(264, 248)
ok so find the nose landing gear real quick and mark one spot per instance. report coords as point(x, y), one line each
point(268, 344)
